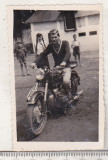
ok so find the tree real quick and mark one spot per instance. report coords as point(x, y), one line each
point(20, 16)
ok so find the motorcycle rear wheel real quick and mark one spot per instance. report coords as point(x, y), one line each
point(37, 116)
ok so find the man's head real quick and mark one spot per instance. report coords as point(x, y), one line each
point(39, 37)
point(54, 36)
point(19, 43)
point(75, 36)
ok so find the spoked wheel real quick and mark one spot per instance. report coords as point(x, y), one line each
point(37, 115)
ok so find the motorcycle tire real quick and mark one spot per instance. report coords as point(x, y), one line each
point(37, 115)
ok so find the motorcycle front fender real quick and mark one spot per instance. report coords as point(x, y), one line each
point(34, 96)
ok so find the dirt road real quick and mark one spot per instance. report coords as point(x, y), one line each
point(82, 125)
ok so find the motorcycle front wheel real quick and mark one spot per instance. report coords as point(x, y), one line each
point(37, 115)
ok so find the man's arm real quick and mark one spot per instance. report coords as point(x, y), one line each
point(72, 46)
point(42, 55)
point(67, 50)
point(25, 51)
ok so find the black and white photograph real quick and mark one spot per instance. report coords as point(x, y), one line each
point(56, 64)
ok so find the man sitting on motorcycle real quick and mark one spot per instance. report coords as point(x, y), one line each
point(61, 54)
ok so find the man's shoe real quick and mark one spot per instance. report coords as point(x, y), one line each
point(76, 97)
point(28, 73)
point(80, 93)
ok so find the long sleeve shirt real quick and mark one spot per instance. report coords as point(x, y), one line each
point(62, 56)
point(20, 52)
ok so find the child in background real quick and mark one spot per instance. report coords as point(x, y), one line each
point(76, 49)
point(40, 47)
point(21, 56)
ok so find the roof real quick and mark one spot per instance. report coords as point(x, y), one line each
point(52, 15)
point(86, 13)
point(44, 16)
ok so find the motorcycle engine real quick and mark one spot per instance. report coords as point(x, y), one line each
point(63, 100)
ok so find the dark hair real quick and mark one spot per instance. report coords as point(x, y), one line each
point(54, 31)
point(74, 35)
point(37, 37)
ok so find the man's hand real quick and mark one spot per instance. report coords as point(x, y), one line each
point(72, 46)
point(63, 64)
point(57, 67)
point(33, 65)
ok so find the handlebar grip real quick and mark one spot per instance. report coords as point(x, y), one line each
point(60, 67)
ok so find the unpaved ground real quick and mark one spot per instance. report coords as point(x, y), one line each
point(82, 125)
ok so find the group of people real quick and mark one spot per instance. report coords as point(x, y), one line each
point(60, 51)
point(56, 49)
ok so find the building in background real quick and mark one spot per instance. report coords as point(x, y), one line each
point(22, 31)
point(88, 29)
point(83, 23)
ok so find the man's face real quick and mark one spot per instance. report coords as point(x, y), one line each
point(75, 37)
point(54, 38)
point(19, 44)
point(40, 38)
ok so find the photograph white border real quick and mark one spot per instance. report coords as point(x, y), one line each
point(55, 146)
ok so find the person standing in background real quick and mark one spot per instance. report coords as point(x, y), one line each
point(40, 47)
point(76, 49)
point(21, 56)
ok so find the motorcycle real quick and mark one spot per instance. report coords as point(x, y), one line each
point(49, 93)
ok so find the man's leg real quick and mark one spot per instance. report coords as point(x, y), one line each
point(75, 58)
point(79, 59)
point(24, 61)
point(26, 68)
point(67, 86)
point(21, 64)
point(67, 80)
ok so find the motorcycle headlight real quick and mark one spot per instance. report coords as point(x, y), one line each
point(40, 74)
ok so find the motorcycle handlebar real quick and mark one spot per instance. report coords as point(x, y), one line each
point(33, 66)
point(46, 69)
point(58, 69)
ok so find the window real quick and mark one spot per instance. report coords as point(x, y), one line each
point(81, 21)
point(69, 21)
point(82, 34)
point(92, 33)
point(93, 19)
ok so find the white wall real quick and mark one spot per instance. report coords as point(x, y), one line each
point(88, 43)
point(42, 28)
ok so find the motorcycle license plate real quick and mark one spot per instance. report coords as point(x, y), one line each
point(31, 93)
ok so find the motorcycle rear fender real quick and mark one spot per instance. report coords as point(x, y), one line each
point(34, 97)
